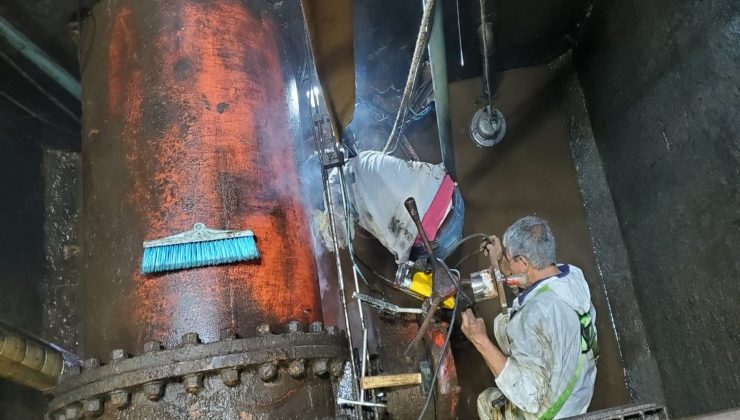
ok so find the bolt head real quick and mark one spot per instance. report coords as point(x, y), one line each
point(91, 363)
point(332, 330)
point(152, 346)
point(92, 407)
point(154, 390)
point(297, 368)
point(70, 372)
point(190, 338)
point(336, 367)
point(264, 329)
point(73, 412)
point(320, 367)
point(293, 327)
point(118, 354)
point(227, 334)
point(268, 372)
point(193, 383)
point(316, 327)
point(120, 399)
point(230, 377)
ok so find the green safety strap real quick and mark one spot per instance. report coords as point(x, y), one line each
point(587, 343)
point(560, 402)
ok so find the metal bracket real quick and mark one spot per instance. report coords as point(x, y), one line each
point(426, 376)
point(331, 157)
point(385, 306)
point(342, 401)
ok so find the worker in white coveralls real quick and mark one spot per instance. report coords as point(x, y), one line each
point(545, 360)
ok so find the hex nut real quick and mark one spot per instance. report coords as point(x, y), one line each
point(70, 371)
point(190, 338)
point(193, 383)
point(268, 371)
point(293, 327)
point(154, 390)
point(227, 334)
point(152, 346)
point(92, 407)
point(320, 367)
point(230, 377)
point(316, 327)
point(120, 399)
point(336, 367)
point(91, 363)
point(118, 354)
point(263, 329)
point(73, 412)
point(332, 330)
point(297, 368)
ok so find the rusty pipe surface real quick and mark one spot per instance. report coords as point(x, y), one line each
point(185, 120)
point(28, 363)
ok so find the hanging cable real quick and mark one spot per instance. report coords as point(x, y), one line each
point(421, 42)
point(446, 344)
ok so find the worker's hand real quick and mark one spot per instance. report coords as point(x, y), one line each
point(473, 328)
point(492, 246)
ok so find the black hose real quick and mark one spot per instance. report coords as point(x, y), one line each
point(446, 344)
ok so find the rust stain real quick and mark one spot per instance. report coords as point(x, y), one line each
point(447, 383)
point(119, 51)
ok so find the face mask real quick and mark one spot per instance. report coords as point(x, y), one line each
point(520, 281)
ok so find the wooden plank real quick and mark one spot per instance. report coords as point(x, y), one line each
point(386, 381)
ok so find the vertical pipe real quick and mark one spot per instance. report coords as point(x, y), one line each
point(185, 120)
point(438, 63)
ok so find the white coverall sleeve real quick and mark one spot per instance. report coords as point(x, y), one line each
point(525, 378)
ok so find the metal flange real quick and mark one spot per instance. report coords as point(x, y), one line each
point(301, 354)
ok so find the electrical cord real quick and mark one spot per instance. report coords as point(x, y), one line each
point(446, 344)
point(457, 284)
point(467, 238)
point(364, 280)
point(380, 276)
point(465, 258)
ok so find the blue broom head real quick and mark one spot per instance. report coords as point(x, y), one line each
point(199, 247)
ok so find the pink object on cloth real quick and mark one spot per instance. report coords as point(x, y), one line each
point(438, 210)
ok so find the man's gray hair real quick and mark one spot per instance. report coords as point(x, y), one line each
point(531, 238)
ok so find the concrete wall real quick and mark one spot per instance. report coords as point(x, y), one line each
point(662, 84)
point(34, 216)
point(21, 259)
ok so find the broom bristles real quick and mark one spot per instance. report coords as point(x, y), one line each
point(157, 259)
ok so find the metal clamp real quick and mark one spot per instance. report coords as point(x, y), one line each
point(385, 306)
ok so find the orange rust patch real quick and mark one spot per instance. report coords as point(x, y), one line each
point(119, 50)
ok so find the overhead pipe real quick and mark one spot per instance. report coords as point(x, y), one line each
point(438, 64)
point(31, 51)
point(421, 41)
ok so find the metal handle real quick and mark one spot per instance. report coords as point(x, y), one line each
point(410, 204)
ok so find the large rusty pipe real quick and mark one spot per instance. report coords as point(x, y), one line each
point(185, 120)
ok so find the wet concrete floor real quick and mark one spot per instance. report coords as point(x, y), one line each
point(530, 172)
